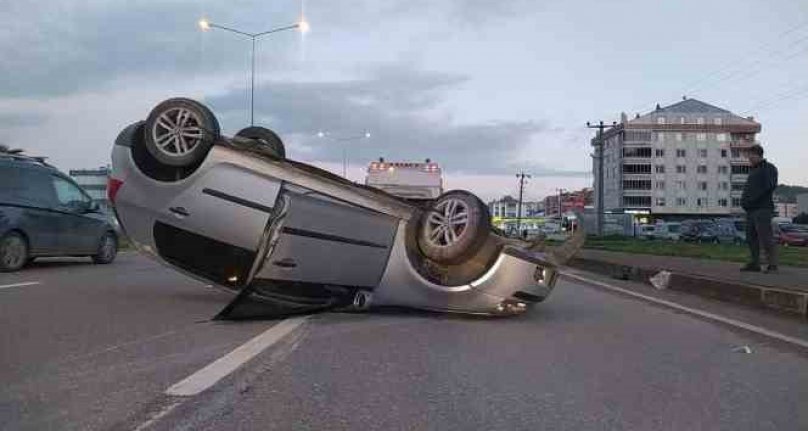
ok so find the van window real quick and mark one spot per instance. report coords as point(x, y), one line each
point(29, 187)
point(68, 195)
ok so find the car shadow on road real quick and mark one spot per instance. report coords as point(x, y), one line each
point(59, 262)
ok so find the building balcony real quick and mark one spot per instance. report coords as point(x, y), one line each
point(742, 143)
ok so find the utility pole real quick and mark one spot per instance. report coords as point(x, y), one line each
point(599, 155)
point(521, 175)
point(560, 212)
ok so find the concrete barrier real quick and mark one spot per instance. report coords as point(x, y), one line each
point(782, 300)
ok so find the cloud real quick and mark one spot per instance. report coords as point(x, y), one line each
point(400, 106)
point(21, 119)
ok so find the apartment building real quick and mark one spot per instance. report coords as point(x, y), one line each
point(686, 159)
point(508, 205)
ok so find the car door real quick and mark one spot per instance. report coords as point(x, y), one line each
point(28, 189)
point(325, 240)
point(78, 233)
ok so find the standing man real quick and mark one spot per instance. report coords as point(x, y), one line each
point(758, 203)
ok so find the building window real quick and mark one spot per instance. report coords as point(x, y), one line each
point(660, 152)
point(700, 120)
point(717, 121)
point(723, 153)
point(701, 169)
point(736, 202)
point(740, 169)
point(701, 136)
point(644, 152)
point(736, 153)
point(681, 169)
point(721, 137)
point(638, 136)
point(722, 202)
point(637, 168)
point(660, 169)
point(702, 185)
point(660, 202)
point(660, 120)
point(723, 185)
point(681, 152)
point(738, 187)
point(681, 202)
point(637, 201)
point(724, 169)
point(681, 185)
point(636, 184)
point(680, 136)
point(701, 202)
point(660, 137)
point(660, 185)
point(702, 152)
point(682, 120)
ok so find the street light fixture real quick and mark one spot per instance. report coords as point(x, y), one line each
point(344, 139)
point(302, 25)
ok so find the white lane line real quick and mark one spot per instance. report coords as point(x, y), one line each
point(217, 370)
point(726, 320)
point(27, 283)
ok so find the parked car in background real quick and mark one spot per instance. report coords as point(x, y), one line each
point(707, 231)
point(646, 231)
point(788, 234)
point(44, 213)
point(668, 231)
point(736, 226)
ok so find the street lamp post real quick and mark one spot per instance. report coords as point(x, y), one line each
point(206, 25)
point(344, 141)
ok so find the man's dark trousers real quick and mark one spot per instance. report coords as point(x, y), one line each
point(759, 235)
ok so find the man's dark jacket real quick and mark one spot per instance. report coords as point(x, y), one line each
point(760, 185)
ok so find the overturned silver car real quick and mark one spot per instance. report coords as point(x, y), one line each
point(294, 238)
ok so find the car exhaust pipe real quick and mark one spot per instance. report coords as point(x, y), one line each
point(361, 300)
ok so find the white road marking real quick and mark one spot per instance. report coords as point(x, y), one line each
point(217, 370)
point(27, 283)
point(726, 320)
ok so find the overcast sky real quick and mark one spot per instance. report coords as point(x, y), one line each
point(484, 87)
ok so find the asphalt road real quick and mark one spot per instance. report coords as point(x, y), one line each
point(95, 347)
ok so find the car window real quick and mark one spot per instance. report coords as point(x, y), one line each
point(22, 186)
point(68, 195)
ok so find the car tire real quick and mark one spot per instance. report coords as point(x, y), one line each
point(13, 252)
point(454, 228)
point(107, 249)
point(273, 143)
point(179, 132)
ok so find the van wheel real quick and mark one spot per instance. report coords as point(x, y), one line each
point(13, 252)
point(454, 228)
point(179, 132)
point(107, 249)
point(273, 143)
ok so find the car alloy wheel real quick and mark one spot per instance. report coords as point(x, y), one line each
point(447, 223)
point(177, 132)
point(13, 252)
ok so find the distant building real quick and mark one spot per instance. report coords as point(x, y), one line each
point(686, 159)
point(802, 203)
point(94, 182)
point(786, 209)
point(575, 201)
point(508, 205)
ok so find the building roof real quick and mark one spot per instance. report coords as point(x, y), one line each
point(693, 106)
